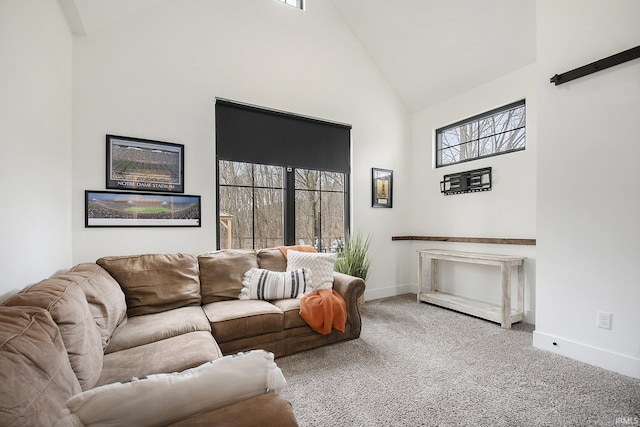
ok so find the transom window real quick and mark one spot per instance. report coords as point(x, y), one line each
point(295, 3)
point(492, 133)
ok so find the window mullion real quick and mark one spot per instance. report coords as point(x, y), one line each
point(290, 206)
point(321, 247)
point(478, 138)
point(253, 206)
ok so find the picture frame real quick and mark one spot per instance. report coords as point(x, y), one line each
point(381, 188)
point(144, 164)
point(133, 209)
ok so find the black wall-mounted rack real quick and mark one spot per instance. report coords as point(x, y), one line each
point(466, 182)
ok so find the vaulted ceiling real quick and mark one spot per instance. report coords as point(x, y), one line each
point(431, 50)
point(428, 50)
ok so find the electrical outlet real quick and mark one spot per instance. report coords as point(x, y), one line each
point(604, 320)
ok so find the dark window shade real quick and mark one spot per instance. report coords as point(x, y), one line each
point(256, 135)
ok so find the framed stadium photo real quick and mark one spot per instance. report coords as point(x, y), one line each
point(144, 165)
point(120, 209)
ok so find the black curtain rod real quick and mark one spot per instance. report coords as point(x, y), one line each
point(602, 64)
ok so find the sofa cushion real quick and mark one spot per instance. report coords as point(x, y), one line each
point(68, 305)
point(272, 259)
point(173, 354)
point(106, 299)
point(236, 319)
point(291, 309)
point(221, 273)
point(36, 375)
point(270, 285)
point(155, 283)
point(167, 397)
point(148, 328)
point(321, 266)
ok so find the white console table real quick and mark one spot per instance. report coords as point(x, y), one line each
point(502, 314)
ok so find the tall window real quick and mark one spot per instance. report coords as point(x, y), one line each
point(256, 201)
point(283, 179)
point(492, 133)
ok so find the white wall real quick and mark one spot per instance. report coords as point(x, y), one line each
point(35, 138)
point(507, 211)
point(588, 198)
point(157, 77)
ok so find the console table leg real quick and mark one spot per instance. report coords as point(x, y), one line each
point(506, 296)
point(521, 289)
point(433, 271)
point(419, 277)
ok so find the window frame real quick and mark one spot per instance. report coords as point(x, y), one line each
point(475, 119)
point(288, 199)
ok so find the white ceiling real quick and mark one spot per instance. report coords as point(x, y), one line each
point(429, 50)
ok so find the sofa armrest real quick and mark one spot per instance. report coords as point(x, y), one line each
point(350, 288)
point(171, 397)
point(266, 410)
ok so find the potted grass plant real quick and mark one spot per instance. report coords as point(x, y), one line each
point(354, 259)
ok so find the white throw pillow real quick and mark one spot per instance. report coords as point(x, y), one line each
point(162, 399)
point(321, 266)
point(271, 285)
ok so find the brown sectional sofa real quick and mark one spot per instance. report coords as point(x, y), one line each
point(133, 316)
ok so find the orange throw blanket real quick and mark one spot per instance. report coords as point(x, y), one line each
point(323, 310)
point(299, 248)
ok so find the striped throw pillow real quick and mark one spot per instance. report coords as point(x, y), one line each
point(271, 285)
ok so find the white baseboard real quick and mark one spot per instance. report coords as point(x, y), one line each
point(605, 359)
point(391, 291)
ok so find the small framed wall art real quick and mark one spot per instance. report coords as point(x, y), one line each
point(144, 165)
point(119, 209)
point(381, 188)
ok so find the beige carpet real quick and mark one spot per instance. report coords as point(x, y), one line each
point(420, 365)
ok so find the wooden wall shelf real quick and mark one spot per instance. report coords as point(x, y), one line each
point(491, 240)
